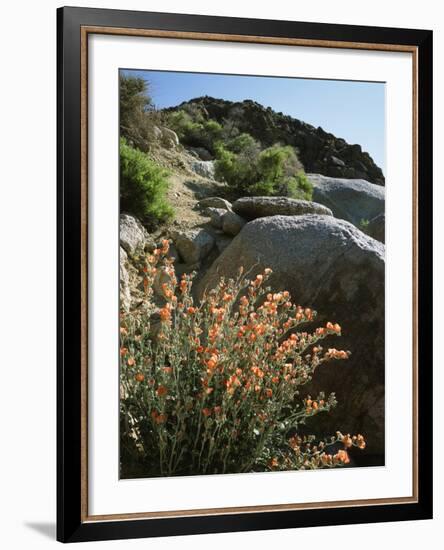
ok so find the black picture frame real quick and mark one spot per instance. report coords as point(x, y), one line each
point(71, 524)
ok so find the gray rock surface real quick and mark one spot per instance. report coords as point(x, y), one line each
point(193, 245)
point(259, 207)
point(133, 235)
point(376, 228)
point(216, 215)
point(170, 136)
point(222, 241)
point(125, 296)
point(232, 223)
point(204, 168)
point(214, 202)
point(331, 266)
point(353, 200)
point(201, 153)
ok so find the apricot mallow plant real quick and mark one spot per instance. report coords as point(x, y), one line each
point(213, 386)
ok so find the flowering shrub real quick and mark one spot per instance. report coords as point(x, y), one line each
point(214, 387)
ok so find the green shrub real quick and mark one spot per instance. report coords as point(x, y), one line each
point(273, 171)
point(241, 143)
point(142, 186)
point(363, 225)
point(194, 130)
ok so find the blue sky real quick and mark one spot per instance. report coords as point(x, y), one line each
point(354, 111)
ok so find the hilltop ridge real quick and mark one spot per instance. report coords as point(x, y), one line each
point(320, 152)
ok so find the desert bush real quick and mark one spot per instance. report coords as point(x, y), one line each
point(194, 130)
point(241, 143)
point(214, 387)
point(138, 116)
point(143, 184)
point(273, 171)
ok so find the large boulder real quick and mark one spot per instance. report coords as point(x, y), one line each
point(232, 223)
point(214, 202)
point(353, 200)
point(193, 245)
point(331, 266)
point(260, 207)
point(216, 216)
point(133, 236)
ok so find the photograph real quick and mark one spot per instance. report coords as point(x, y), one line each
point(252, 274)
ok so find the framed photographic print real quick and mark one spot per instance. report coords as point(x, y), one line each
point(244, 274)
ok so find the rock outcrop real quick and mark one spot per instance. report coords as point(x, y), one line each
point(331, 266)
point(169, 137)
point(193, 245)
point(260, 207)
point(319, 151)
point(204, 168)
point(133, 235)
point(354, 200)
point(214, 202)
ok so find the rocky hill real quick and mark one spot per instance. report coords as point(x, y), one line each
point(319, 151)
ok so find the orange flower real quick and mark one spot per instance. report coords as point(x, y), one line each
point(360, 441)
point(130, 361)
point(161, 391)
point(123, 351)
point(139, 377)
point(269, 392)
point(168, 370)
point(258, 281)
point(165, 314)
point(191, 310)
point(347, 441)
point(165, 246)
point(273, 463)
point(161, 418)
point(168, 293)
point(212, 362)
point(123, 331)
point(326, 458)
point(342, 456)
point(206, 411)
